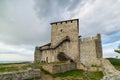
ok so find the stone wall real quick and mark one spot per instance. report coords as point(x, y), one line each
point(20, 75)
point(90, 51)
point(98, 43)
point(46, 56)
point(37, 55)
point(59, 68)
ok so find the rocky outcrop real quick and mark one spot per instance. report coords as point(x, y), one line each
point(20, 75)
point(109, 71)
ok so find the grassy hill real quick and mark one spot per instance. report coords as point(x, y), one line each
point(115, 62)
point(69, 75)
point(8, 67)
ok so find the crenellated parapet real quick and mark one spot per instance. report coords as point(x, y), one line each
point(64, 22)
point(93, 38)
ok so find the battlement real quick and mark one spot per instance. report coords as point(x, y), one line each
point(97, 37)
point(64, 22)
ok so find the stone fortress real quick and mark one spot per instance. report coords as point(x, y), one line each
point(65, 38)
point(67, 45)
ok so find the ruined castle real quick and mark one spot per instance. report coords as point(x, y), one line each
point(65, 40)
point(78, 53)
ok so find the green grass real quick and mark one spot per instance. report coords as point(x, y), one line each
point(69, 75)
point(8, 69)
point(13, 67)
point(57, 63)
point(80, 74)
point(73, 73)
point(115, 62)
point(76, 75)
point(95, 75)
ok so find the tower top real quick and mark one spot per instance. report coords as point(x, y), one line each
point(64, 21)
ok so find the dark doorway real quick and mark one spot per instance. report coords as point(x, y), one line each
point(62, 56)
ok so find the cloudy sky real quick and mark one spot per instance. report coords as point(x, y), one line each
point(25, 24)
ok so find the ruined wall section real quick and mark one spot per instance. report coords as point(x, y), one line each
point(37, 55)
point(63, 29)
point(21, 75)
point(90, 51)
point(99, 46)
point(59, 68)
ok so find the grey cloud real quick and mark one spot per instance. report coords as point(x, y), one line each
point(103, 18)
point(50, 9)
point(19, 25)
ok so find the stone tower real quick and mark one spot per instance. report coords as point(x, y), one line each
point(68, 28)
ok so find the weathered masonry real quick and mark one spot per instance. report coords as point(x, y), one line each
point(20, 75)
point(67, 45)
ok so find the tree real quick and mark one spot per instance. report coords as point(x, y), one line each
point(117, 50)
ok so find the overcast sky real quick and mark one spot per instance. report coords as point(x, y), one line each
point(25, 24)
